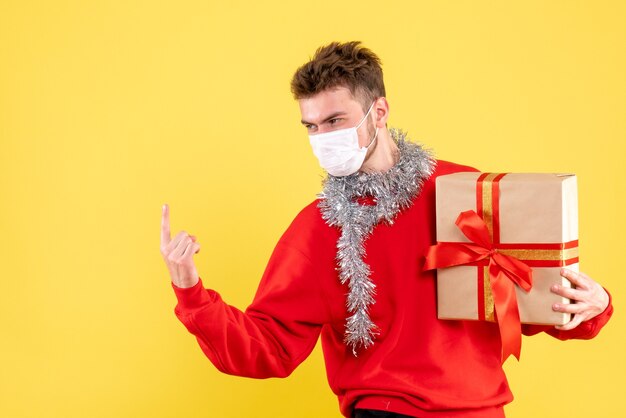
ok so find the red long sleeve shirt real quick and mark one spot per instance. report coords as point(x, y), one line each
point(419, 365)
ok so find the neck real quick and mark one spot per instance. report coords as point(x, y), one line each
point(383, 155)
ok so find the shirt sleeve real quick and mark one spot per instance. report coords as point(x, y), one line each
point(274, 334)
point(584, 331)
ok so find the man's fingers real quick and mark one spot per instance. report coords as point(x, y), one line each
point(578, 279)
point(174, 247)
point(181, 245)
point(165, 226)
point(190, 249)
point(578, 318)
point(567, 292)
point(573, 308)
point(175, 242)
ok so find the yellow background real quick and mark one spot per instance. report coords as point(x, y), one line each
point(108, 109)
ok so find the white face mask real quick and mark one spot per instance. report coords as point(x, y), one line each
point(338, 151)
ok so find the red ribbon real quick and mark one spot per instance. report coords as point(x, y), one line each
point(505, 272)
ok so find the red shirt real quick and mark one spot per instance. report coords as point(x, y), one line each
point(419, 365)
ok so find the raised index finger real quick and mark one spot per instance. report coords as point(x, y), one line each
point(165, 226)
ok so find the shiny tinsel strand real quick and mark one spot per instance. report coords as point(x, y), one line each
point(392, 191)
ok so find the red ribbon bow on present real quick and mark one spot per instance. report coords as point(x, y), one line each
point(505, 272)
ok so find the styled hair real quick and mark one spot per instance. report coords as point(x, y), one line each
point(337, 64)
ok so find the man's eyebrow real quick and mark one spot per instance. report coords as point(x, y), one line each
point(331, 116)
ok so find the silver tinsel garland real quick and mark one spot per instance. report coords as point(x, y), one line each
point(392, 192)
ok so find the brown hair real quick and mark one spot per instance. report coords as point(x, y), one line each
point(341, 64)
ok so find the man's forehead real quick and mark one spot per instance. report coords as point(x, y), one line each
point(327, 102)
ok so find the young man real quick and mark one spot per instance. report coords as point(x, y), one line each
point(349, 268)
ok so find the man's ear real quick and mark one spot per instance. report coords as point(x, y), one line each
point(384, 109)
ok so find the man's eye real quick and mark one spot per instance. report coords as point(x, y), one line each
point(332, 120)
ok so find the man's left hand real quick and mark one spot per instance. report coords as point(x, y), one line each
point(589, 299)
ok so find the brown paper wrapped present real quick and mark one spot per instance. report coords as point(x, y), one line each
point(502, 239)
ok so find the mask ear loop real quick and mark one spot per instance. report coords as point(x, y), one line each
point(373, 139)
point(376, 134)
point(365, 117)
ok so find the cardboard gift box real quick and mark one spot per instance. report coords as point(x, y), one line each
point(502, 239)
